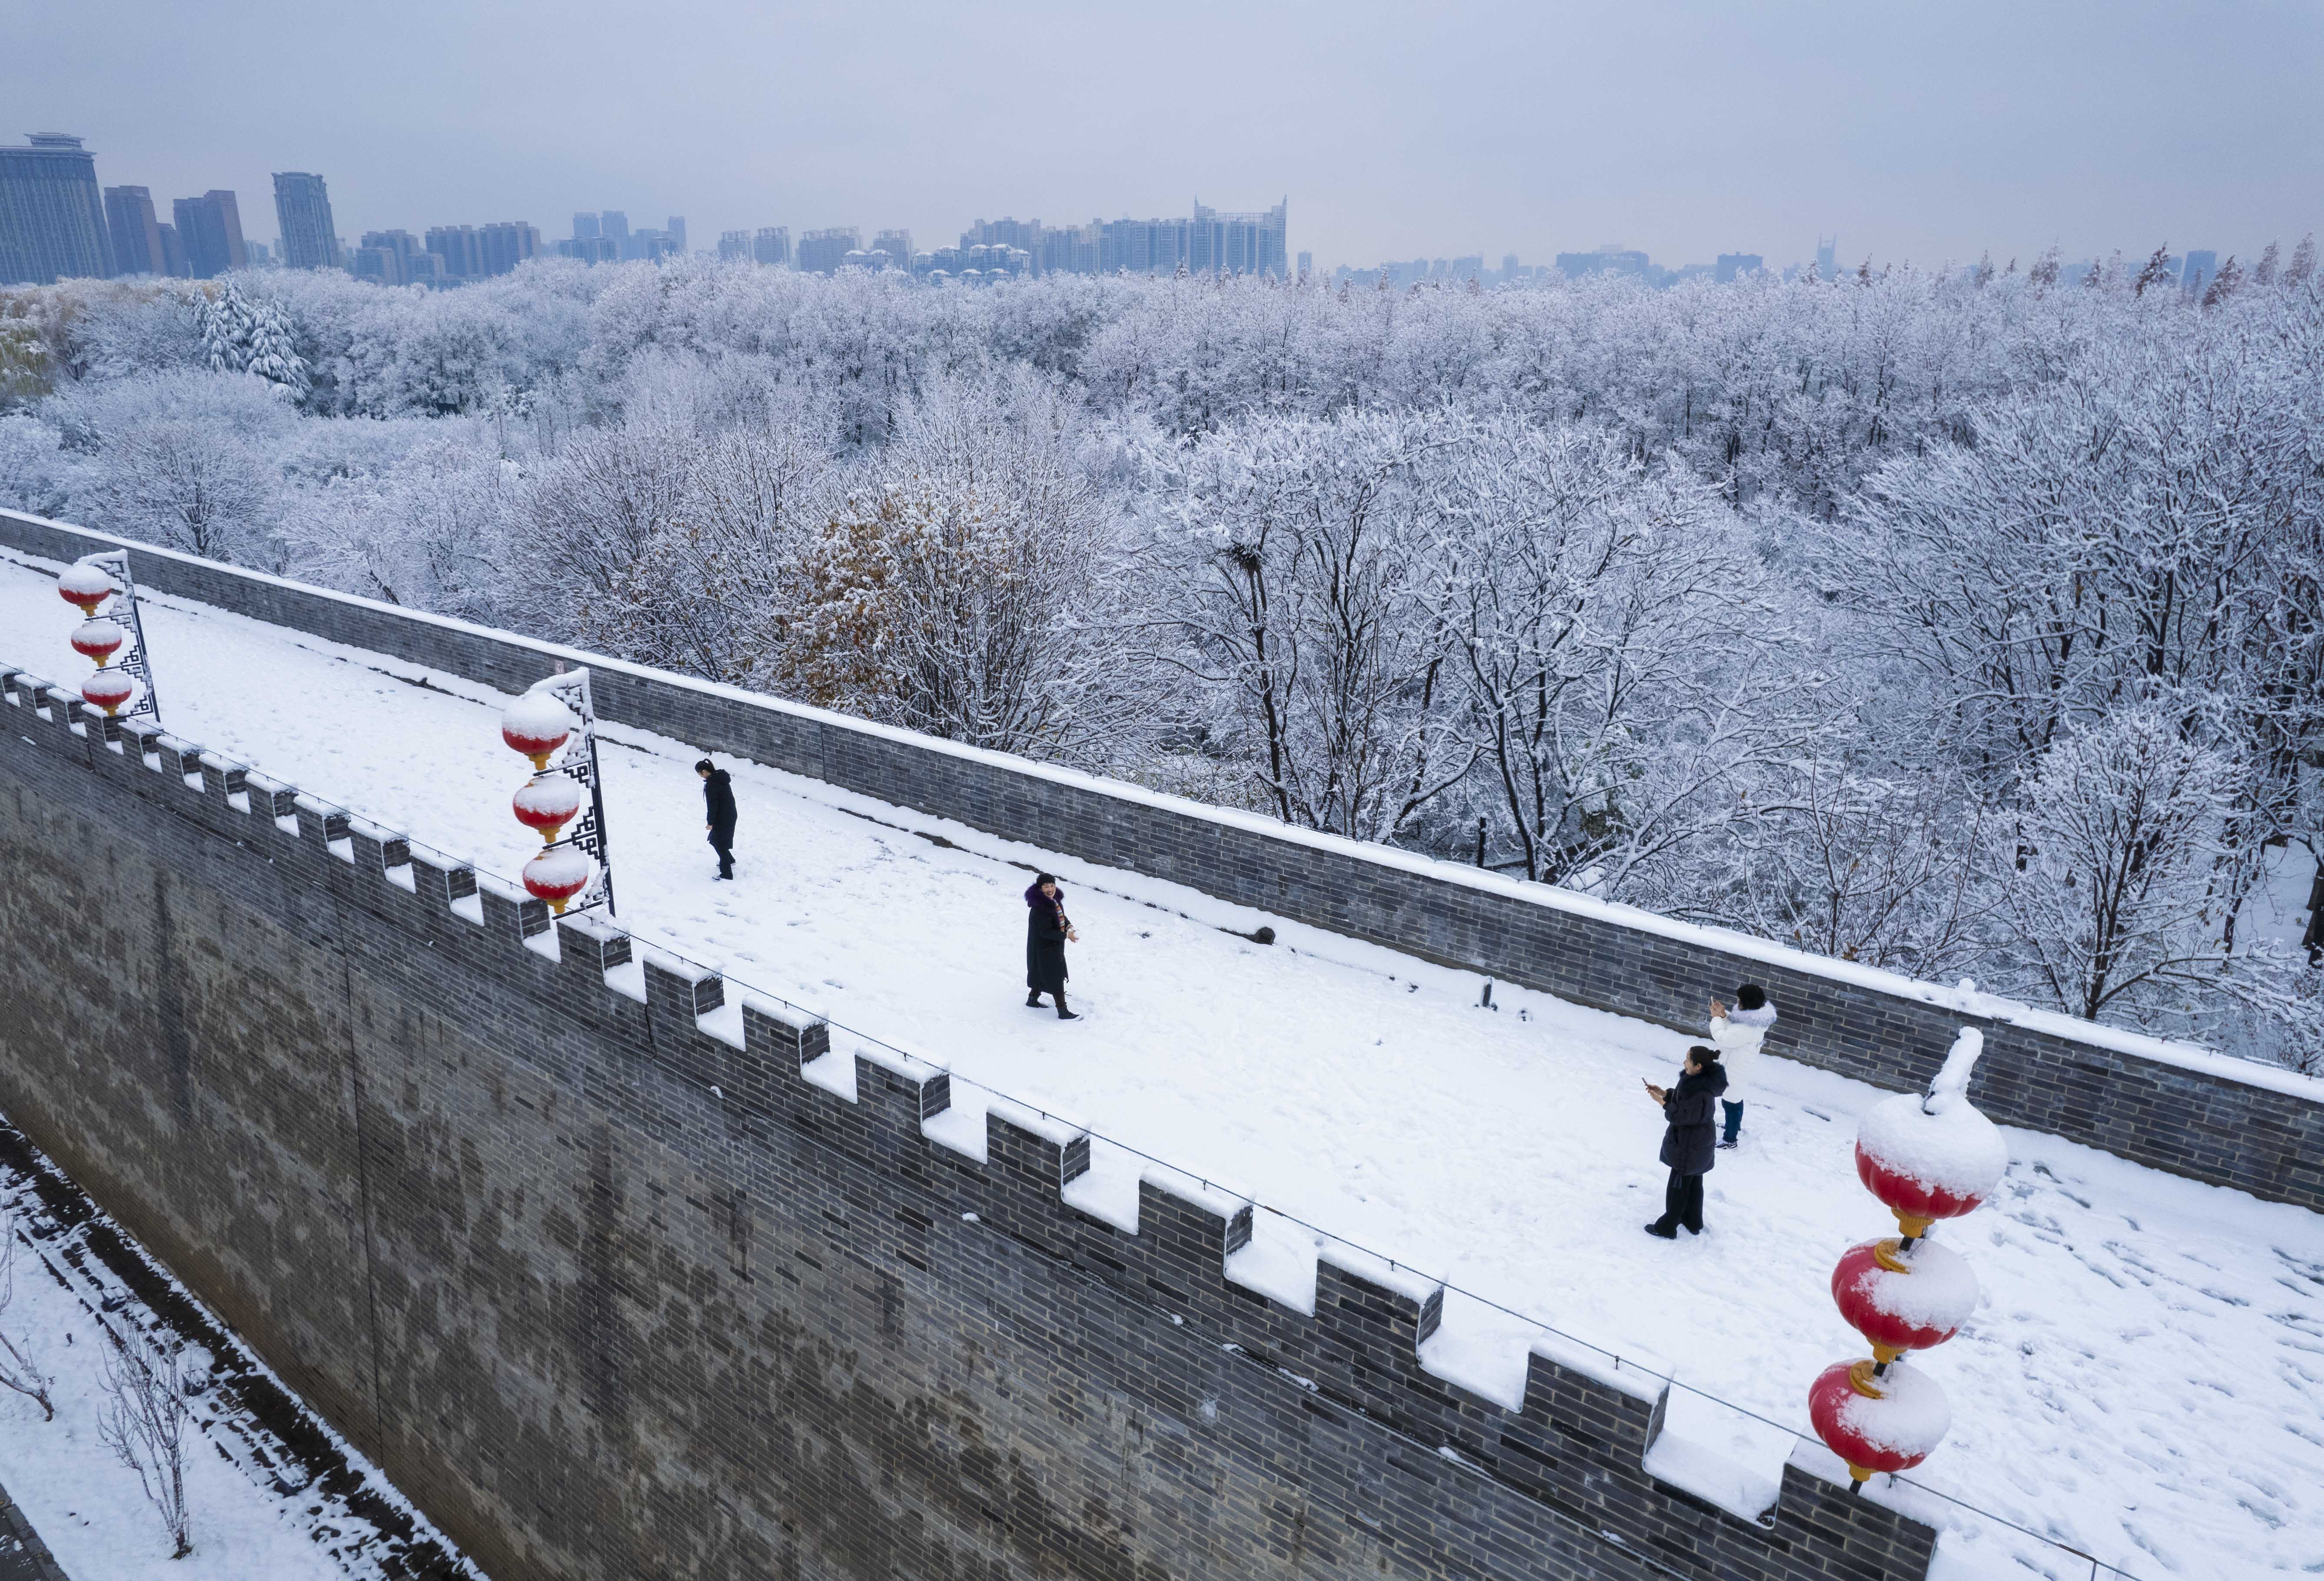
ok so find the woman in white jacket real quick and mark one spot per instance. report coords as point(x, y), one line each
point(1738, 1032)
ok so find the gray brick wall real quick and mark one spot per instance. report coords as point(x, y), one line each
point(610, 1295)
point(2209, 1126)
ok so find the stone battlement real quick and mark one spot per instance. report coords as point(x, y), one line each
point(752, 1098)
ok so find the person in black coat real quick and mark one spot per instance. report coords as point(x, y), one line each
point(718, 807)
point(1690, 1140)
point(1046, 928)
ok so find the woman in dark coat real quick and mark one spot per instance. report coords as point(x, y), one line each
point(1046, 928)
point(1690, 1140)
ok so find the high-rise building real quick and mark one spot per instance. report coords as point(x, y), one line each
point(734, 246)
point(2197, 271)
point(1612, 258)
point(1142, 246)
point(386, 256)
point(1070, 249)
point(1241, 244)
point(508, 243)
point(1306, 262)
point(462, 249)
point(613, 226)
point(173, 254)
point(1733, 266)
point(210, 228)
point(676, 231)
point(1827, 256)
point(772, 245)
point(591, 250)
point(310, 239)
point(136, 234)
point(821, 251)
point(53, 223)
point(585, 227)
point(1003, 233)
point(897, 245)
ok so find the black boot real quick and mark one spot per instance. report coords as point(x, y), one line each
point(1033, 1000)
point(1063, 1014)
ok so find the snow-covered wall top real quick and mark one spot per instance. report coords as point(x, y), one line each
point(490, 1056)
point(2172, 1105)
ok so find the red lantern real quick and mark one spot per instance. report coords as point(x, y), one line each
point(557, 876)
point(1917, 1202)
point(1904, 1303)
point(1890, 1423)
point(1935, 1157)
point(108, 689)
point(85, 584)
point(536, 724)
point(97, 640)
point(546, 805)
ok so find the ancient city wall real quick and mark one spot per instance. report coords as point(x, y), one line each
point(619, 1278)
point(2213, 1119)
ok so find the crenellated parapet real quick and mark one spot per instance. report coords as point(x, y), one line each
point(711, 1058)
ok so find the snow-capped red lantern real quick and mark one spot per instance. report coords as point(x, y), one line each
point(108, 689)
point(537, 725)
point(1925, 1157)
point(1932, 1157)
point(556, 875)
point(547, 804)
point(1890, 1423)
point(85, 584)
point(1904, 1301)
point(97, 640)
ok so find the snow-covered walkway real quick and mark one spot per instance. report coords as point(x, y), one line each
point(2144, 1381)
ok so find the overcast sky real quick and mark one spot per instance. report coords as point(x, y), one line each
point(1927, 132)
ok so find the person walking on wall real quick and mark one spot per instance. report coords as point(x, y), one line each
point(1046, 928)
point(718, 807)
point(1738, 1032)
point(1687, 1139)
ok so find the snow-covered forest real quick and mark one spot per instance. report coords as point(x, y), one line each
point(1962, 624)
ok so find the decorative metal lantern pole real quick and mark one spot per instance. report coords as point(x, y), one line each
point(1927, 1158)
point(89, 582)
point(555, 723)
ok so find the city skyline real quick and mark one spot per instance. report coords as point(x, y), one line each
point(1490, 129)
point(207, 239)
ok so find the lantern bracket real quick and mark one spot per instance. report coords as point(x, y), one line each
point(576, 759)
point(123, 612)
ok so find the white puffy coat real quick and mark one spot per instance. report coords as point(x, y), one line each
point(1738, 1035)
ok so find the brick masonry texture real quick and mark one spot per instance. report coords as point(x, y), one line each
point(2199, 1124)
point(613, 1290)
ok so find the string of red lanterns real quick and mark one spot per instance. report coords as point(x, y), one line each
point(95, 639)
point(1927, 1158)
point(537, 725)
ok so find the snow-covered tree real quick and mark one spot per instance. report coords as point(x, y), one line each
point(1294, 564)
point(182, 460)
point(240, 335)
point(958, 590)
point(2114, 903)
point(1616, 657)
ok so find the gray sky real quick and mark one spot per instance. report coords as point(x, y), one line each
point(1923, 132)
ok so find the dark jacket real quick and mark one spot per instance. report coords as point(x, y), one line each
point(1689, 1144)
point(718, 802)
point(1045, 942)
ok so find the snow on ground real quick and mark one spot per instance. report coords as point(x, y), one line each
point(255, 1508)
point(2145, 1382)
